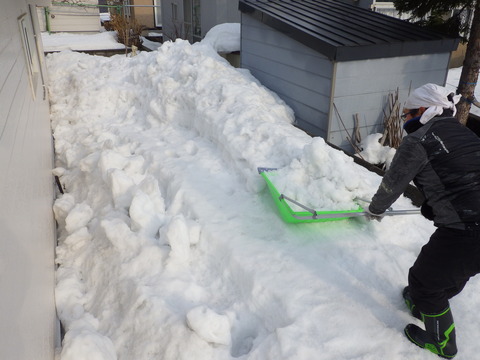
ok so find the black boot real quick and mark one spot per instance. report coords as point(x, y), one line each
point(438, 336)
point(410, 305)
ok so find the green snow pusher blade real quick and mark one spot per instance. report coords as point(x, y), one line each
point(310, 215)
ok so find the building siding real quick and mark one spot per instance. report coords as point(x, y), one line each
point(29, 327)
point(299, 75)
point(212, 13)
point(334, 98)
point(172, 27)
point(71, 18)
point(362, 87)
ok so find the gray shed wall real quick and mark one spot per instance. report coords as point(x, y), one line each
point(299, 75)
point(326, 95)
point(216, 12)
point(362, 87)
point(172, 28)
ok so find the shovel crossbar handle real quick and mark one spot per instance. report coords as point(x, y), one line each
point(314, 212)
point(354, 214)
point(342, 214)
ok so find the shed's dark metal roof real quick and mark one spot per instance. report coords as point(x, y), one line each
point(345, 32)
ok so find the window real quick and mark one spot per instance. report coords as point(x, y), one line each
point(174, 12)
point(29, 47)
point(197, 26)
point(158, 13)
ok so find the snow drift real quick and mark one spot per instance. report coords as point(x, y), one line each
point(170, 246)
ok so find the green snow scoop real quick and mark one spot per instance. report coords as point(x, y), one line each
point(310, 215)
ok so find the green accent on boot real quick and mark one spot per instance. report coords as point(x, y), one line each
point(438, 336)
point(446, 334)
point(410, 305)
point(445, 342)
point(427, 346)
point(437, 315)
point(432, 348)
point(413, 309)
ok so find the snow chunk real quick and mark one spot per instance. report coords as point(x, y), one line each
point(121, 185)
point(121, 237)
point(374, 152)
point(90, 344)
point(209, 325)
point(62, 207)
point(144, 215)
point(178, 236)
point(78, 217)
point(111, 160)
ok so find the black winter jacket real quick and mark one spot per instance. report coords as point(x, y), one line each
point(443, 159)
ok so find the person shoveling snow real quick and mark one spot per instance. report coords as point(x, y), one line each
point(442, 157)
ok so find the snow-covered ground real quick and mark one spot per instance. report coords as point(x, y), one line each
point(170, 246)
point(106, 40)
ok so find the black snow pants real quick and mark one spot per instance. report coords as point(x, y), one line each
point(443, 267)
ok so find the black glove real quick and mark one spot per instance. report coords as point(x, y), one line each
point(427, 211)
point(371, 216)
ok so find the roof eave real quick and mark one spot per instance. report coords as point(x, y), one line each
point(351, 53)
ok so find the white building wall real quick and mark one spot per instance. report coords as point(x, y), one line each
point(28, 326)
point(70, 17)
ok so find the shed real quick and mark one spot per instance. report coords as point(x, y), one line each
point(336, 64)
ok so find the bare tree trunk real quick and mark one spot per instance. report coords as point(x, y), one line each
point(471, 66)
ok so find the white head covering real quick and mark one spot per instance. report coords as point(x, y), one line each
point(434, 98)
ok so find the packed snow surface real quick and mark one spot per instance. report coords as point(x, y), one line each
point(78, 42)
point(170, 246)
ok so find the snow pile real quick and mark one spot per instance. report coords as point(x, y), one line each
point(237, 114)
point(322, 178)
point(224, 37)
point(116, 127)
point(169, 245)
